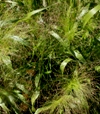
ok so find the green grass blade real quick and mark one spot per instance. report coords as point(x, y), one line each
point(3, 106)
point(39, 110)
point(55, 35)
point(79, 56)
point(36, 11)
point(13, 103)
point(33, 98)
point(7, 61)
point(37, 79)
point(97, 68)
point(90, 14)
point(19, 96)
point(33, 13)
point(84, 11)
point(21, 87)
point(64, 63)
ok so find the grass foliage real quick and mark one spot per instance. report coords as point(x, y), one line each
point(49, 56)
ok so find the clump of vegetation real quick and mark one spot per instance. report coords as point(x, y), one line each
point(49, 57)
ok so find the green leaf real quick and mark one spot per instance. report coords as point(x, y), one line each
point(11, 99)
point(37, 79)
point(39, 110)
point(90, 14)
point(84, 11)
point(11, 2)
point(97, 68)
point(98, 38)
point(17, 39)
point(72, 31)
point(44, 3)
point(19, 96)
point(33, 98)
point(64, 63)
point(21, 87)
point(3, 23)
point(33, 13)
point(55, 35)
point(7, 61)
point(3, 106)
point(13, 104)
point(79, 56)
point(48, 72)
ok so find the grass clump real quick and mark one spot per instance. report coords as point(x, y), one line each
point(49, 57)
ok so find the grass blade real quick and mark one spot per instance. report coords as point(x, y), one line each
point(39, 110)
point(7, 61)
point(55, 35)
point(37, 79)
point(33, 13)
point(90, 14)
point(79, 56)
point(97, 68)
point(3, 106)
point(21, 87)
point(64, 63)
point(33, 98)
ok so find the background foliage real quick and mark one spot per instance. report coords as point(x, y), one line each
point(49, 56)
